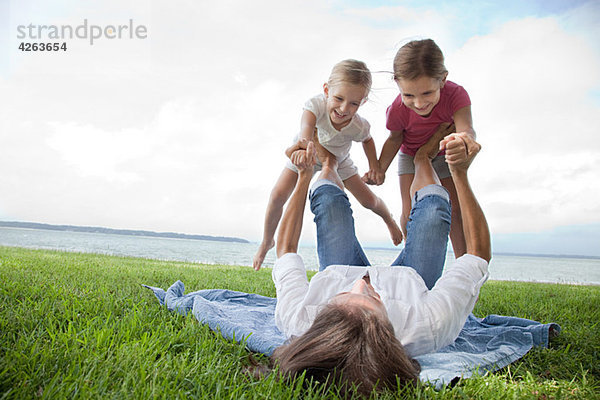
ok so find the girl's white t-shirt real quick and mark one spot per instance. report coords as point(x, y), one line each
point(337, 142)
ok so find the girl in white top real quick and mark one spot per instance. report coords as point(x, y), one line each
point(333, 115)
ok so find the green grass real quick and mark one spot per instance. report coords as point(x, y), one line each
point(81, 326)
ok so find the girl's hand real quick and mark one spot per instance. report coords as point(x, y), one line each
point(366, 178)
point(379, 177)
point(374, 177)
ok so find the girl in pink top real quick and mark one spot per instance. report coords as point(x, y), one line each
point(427, 101)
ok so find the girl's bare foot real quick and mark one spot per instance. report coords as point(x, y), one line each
point(395, 232)
point(262, 251)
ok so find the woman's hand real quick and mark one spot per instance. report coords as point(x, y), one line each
point(461, 149)
point(297, 154)
point(302, 154)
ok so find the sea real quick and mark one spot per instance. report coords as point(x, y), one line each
point(512, 267)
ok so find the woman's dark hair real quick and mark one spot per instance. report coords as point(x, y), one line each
point(348, 345)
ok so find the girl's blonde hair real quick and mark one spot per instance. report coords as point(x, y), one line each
point(419, 58)
point(350, 71)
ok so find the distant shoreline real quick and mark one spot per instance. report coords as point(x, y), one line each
point(173, 235)
point(547, 255)
point(127, 232)
point(506, 253)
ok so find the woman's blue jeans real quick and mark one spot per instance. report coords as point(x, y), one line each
point(424, 248)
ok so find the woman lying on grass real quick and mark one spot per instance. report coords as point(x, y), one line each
point(360, 325)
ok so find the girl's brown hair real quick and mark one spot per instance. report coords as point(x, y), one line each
point(349, 346)
point(351, 71)
point(419, 58)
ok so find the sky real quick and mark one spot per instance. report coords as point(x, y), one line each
point(183, 129)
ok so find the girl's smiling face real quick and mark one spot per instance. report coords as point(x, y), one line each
point(343, 101)
point(422, 94)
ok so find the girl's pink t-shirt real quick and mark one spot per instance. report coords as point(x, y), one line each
point(418, 129)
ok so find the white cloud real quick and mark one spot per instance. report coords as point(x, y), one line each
point(530, 85)
point(95, 152)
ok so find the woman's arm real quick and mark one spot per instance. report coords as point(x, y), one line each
point(291, 223)
point(454, 296)
point(289, 274)
point(455, 293)
point(461, 149)
point(291, 285)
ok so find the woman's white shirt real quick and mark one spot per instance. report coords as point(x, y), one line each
point(424, 320)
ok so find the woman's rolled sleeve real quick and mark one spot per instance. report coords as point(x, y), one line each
point(453, 297)
point(291, 285)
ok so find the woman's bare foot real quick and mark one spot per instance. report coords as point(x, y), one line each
point(432, 147)
point(325, 157)
point(262, 251)
point(395, 232)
